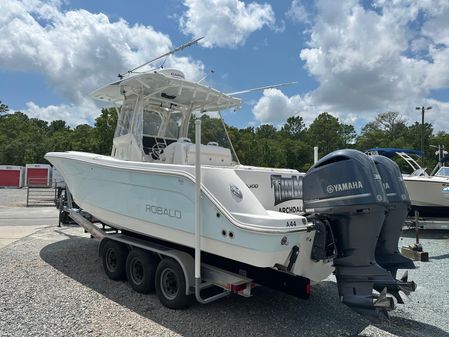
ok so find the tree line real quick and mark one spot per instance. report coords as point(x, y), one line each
point(26, 140)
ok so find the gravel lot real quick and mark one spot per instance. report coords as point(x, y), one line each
point(52, 283)
point(13, 197)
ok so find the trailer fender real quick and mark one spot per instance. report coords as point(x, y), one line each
point(187, 263)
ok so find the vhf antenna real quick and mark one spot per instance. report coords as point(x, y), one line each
point(188, 44)
point(206, 76)
point(261, 88)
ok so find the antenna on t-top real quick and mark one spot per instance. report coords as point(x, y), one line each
point(261, 88)
point(206, 76)
point(188, 44)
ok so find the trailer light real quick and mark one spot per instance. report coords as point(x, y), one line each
point(238, 287)
point(308, 289)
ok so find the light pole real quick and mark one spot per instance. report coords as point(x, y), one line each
point(422, 108)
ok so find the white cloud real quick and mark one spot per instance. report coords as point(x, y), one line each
point(77, 51)
point(369, 60)
point(275, 107)
point(225, 23)
point(297, 12)
point(72, 114)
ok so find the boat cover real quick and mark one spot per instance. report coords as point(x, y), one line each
point(392, 151)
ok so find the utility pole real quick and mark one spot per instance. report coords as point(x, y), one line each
point(423, 109)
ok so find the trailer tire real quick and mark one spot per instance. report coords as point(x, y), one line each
point(64, 218)
point(140, 270)
point(171, 285)
point(114, 260)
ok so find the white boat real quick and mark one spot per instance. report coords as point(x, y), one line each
point(429, 194)
point(249, 215)
point(147, 185)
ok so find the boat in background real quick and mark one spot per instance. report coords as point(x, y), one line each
point(429, 194)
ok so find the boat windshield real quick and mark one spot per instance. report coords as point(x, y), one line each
point(419, 172)
point(126, 115)
point(151, 123)
point(174, 125)
point(162, 124)
point(443, 172)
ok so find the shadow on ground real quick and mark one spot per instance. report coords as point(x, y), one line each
point(267, 313)
point(409, 328)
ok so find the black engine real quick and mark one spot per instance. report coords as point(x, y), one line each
point(348, 189)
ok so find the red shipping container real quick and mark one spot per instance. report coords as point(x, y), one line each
point(38, 175)
point(11, 176)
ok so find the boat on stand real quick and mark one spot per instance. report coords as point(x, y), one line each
point(171, 199)
point(429, 193)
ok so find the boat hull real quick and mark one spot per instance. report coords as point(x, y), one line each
point(429, 195)
point(144, 198)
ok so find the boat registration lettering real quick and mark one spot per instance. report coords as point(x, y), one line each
point(163, 211)
point(291, 224)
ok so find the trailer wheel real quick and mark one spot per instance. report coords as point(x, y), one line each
point(64, 218)
point(114, 260)
point(140, 270)
point(171, 285)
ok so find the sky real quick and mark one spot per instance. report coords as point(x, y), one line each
point(353, 59)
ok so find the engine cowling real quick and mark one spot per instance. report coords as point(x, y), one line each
point(346, 189)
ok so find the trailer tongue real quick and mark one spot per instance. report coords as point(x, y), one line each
point(345, 188)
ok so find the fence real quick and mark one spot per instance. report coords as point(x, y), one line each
point(42, 192)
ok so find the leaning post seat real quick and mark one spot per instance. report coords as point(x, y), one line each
point(183, 151)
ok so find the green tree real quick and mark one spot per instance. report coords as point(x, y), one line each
point(266, 131)
point(244, 141)
point(347, 134)
point(328, 134)
point(3, 108)
point(83, 138)
point(22, 140)
point(294, 127)
point(268, 148)
point(414, 136)
point(57, 126)
point(105, 125)
point(298, 154)
point(387, 130)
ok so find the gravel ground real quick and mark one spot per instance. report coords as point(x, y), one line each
point(13, 197)
point(52, 283)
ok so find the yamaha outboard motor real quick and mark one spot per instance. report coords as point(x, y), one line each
point(345, 189)
point(387, 252)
